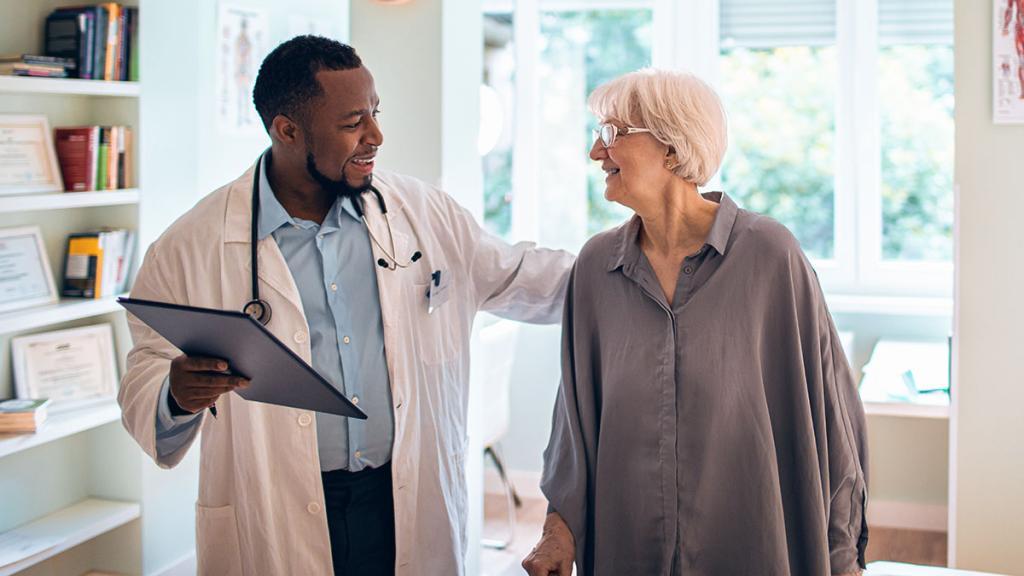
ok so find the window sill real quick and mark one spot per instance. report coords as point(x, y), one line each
point(889, 305)
point(906, 410)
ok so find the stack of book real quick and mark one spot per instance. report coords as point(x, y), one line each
point(19, 416)
point(95, 157)
point(102, 39)
point(97, 264)
point(41, 66)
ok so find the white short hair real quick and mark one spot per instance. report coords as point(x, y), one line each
point(680, 110)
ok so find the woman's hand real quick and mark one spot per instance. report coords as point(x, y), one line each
point(555, 552)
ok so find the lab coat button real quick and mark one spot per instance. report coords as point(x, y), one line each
point(313, 508)
point(305, 420)
point(300, 337)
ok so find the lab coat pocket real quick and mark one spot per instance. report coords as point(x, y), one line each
point(435, 339)
point(217, 546)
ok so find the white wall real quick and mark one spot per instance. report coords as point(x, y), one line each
point(184, 155)
point(988, 431)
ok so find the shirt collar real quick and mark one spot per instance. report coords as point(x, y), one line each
point(273, 215)
point(627, 252)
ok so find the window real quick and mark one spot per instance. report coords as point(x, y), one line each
point(781, 157)
point(778, 71)
point(580, 50)
point(497, 118)
point(915, 80)
point(840, 113)
point(841, 125)
point(570, 51)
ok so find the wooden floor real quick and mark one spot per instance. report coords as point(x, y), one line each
point(915, 547)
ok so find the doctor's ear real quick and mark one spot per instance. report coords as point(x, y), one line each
point(284, 129)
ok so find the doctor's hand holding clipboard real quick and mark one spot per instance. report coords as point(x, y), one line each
point(197, 383)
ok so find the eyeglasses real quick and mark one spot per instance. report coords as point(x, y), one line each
point(607, 133)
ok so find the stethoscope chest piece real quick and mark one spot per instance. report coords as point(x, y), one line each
point(258, 310)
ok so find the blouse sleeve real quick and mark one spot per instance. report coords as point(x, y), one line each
point(847, 455)
point(565, 477)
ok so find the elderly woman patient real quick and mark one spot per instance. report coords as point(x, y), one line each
point(707, 421)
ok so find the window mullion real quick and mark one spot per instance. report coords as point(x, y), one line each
point(858, 201)
point(869, 148)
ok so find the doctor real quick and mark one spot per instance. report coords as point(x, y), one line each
point(371, 277)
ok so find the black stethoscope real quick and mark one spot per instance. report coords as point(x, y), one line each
point(257, 308)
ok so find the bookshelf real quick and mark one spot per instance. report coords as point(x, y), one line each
point(72, 526)
point(66, 310)
point(79, 480)
point(37, 202)
point(62, 425)
point(68, 87)
point(907, 410)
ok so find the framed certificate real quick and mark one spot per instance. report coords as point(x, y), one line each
point(70, 367)
point(28, 161)
point(25, 278)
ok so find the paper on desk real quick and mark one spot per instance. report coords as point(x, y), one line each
point(16, 546)
point(906, 372)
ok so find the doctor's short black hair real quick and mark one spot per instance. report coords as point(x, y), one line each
point(286, 82)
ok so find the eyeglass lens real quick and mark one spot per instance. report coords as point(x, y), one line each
point(607, 135)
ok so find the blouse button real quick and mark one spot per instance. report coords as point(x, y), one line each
point(300, 337)
point(688, 270)
point(313, 508)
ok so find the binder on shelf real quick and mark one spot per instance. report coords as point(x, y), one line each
point(71, 34)
point(102, 39)
point(95, 157)
point(98, 264)
point(76, 154)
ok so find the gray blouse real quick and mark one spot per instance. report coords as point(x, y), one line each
point(720, 435)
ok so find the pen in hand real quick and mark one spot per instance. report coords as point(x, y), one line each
point(197, 382)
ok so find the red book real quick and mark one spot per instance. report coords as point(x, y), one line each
point(76, 153)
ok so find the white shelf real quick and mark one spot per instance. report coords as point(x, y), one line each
point(907, 410)
point(64, 200)
point(889, 305)
point(72, 526)
point(64, 311)
point(68, 86)
point(61, 425)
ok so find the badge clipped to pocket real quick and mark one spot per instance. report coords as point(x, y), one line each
point(437, 291)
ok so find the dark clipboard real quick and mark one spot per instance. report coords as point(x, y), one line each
point(277, 375)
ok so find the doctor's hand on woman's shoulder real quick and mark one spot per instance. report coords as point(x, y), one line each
point(555, 552)
point(197, 383)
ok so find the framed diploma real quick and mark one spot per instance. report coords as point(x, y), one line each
point(25, 278)
point(28, 161)
point(70, 367)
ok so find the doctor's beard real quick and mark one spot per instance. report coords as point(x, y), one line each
point(339, 187)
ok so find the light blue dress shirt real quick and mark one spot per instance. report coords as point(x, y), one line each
point(334, 270)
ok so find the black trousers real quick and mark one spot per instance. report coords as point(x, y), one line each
point(361, 521)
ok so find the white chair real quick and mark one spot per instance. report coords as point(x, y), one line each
point(497, 345)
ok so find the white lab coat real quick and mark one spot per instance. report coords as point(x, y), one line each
point(261, 502)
